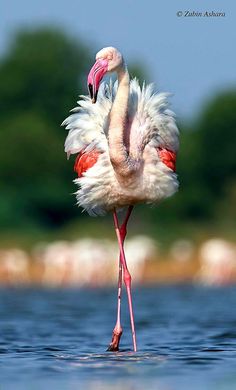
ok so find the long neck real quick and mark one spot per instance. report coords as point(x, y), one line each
point(118, 124)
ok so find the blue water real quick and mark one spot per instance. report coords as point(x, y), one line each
point(58, 338)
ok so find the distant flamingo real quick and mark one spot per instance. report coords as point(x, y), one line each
point(126, 145)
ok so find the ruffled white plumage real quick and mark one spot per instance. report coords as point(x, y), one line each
point(87, 124)
point(150, 124)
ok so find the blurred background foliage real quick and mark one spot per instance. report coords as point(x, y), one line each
point(41, 76)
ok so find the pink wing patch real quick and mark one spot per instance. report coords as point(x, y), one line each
point(84, 161)
point(168, 158)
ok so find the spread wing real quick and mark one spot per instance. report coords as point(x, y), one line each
point(150, 120)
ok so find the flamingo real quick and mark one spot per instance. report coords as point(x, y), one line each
point(126, 146)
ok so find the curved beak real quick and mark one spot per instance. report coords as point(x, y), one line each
point(95, 76)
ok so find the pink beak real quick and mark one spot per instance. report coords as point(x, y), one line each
point(95, 76)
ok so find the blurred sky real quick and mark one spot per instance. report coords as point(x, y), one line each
point(192, 57)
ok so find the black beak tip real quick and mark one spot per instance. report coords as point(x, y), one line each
point(95, 97)
point(92, 96)
point(90, 89)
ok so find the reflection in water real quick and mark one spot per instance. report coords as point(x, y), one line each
point(186, 337)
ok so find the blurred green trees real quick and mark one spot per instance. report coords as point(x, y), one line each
point(207, 162)
point(41, 76)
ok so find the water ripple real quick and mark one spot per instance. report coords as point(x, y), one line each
point(186, 337)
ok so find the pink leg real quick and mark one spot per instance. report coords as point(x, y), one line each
point(117, 332)
point(127, 278)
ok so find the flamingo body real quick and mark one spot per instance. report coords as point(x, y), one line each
point(150, 126)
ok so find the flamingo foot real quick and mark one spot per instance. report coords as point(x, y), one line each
point(114, 345)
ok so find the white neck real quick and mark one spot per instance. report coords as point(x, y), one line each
point(118, 123)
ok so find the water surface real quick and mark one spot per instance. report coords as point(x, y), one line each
point(186, 338)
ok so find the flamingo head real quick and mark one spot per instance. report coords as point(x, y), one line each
point(108, 59)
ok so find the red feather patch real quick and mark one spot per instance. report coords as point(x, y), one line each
point(168, 158)
point(84, 161)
